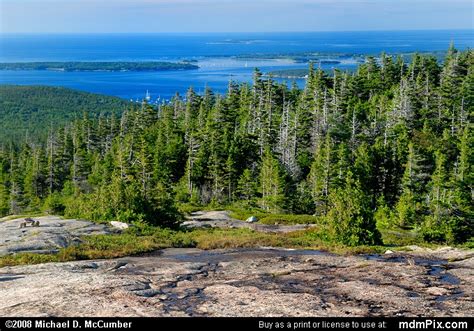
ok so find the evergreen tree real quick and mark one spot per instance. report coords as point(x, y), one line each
point(272, 183)
point(407, 210)
point(435, 225)
point(247, 186)
point(321, 176)
point(350, 218)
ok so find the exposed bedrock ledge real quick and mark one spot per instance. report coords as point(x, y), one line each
point(52, 234)
point(243, 282)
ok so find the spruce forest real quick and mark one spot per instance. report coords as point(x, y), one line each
point(387, 146)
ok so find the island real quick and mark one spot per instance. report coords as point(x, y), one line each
point(289, 73)
point(99, 66)
point(304, 57)
point(301, 73)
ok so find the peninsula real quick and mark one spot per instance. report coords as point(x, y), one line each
point(99, 66)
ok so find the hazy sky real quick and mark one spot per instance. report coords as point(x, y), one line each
point(232, 15)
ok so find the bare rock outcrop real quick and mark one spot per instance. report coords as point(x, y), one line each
point(52, 234)
point(242, 282)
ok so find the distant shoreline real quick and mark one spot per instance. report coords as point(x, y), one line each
point(98, 66)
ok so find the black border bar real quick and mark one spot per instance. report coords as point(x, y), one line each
point(241, 323)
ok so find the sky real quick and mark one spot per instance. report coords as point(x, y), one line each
point(184, 16)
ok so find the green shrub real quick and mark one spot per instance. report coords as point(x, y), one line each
point(54, 204)
point(123, 201)
point(405, 209)
point(383, 215)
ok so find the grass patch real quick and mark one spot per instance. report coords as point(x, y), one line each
point(28, 258)
point(399, 237)
point(284, 219)
point(93, 247)
point(243, 214)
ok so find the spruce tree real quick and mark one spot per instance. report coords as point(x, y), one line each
point(272, 183)
point(350, 219)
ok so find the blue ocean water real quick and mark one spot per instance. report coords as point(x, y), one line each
point(215, 53)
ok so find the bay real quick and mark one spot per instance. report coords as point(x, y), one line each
point(221, 56)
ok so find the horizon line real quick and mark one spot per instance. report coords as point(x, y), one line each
point(232, 32)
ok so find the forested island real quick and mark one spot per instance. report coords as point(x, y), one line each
point(305, 57)
point(289, 73)
point(389, 146)
point(336, 58)
point(292, 73)
point(99, 66)
point(30, 112)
